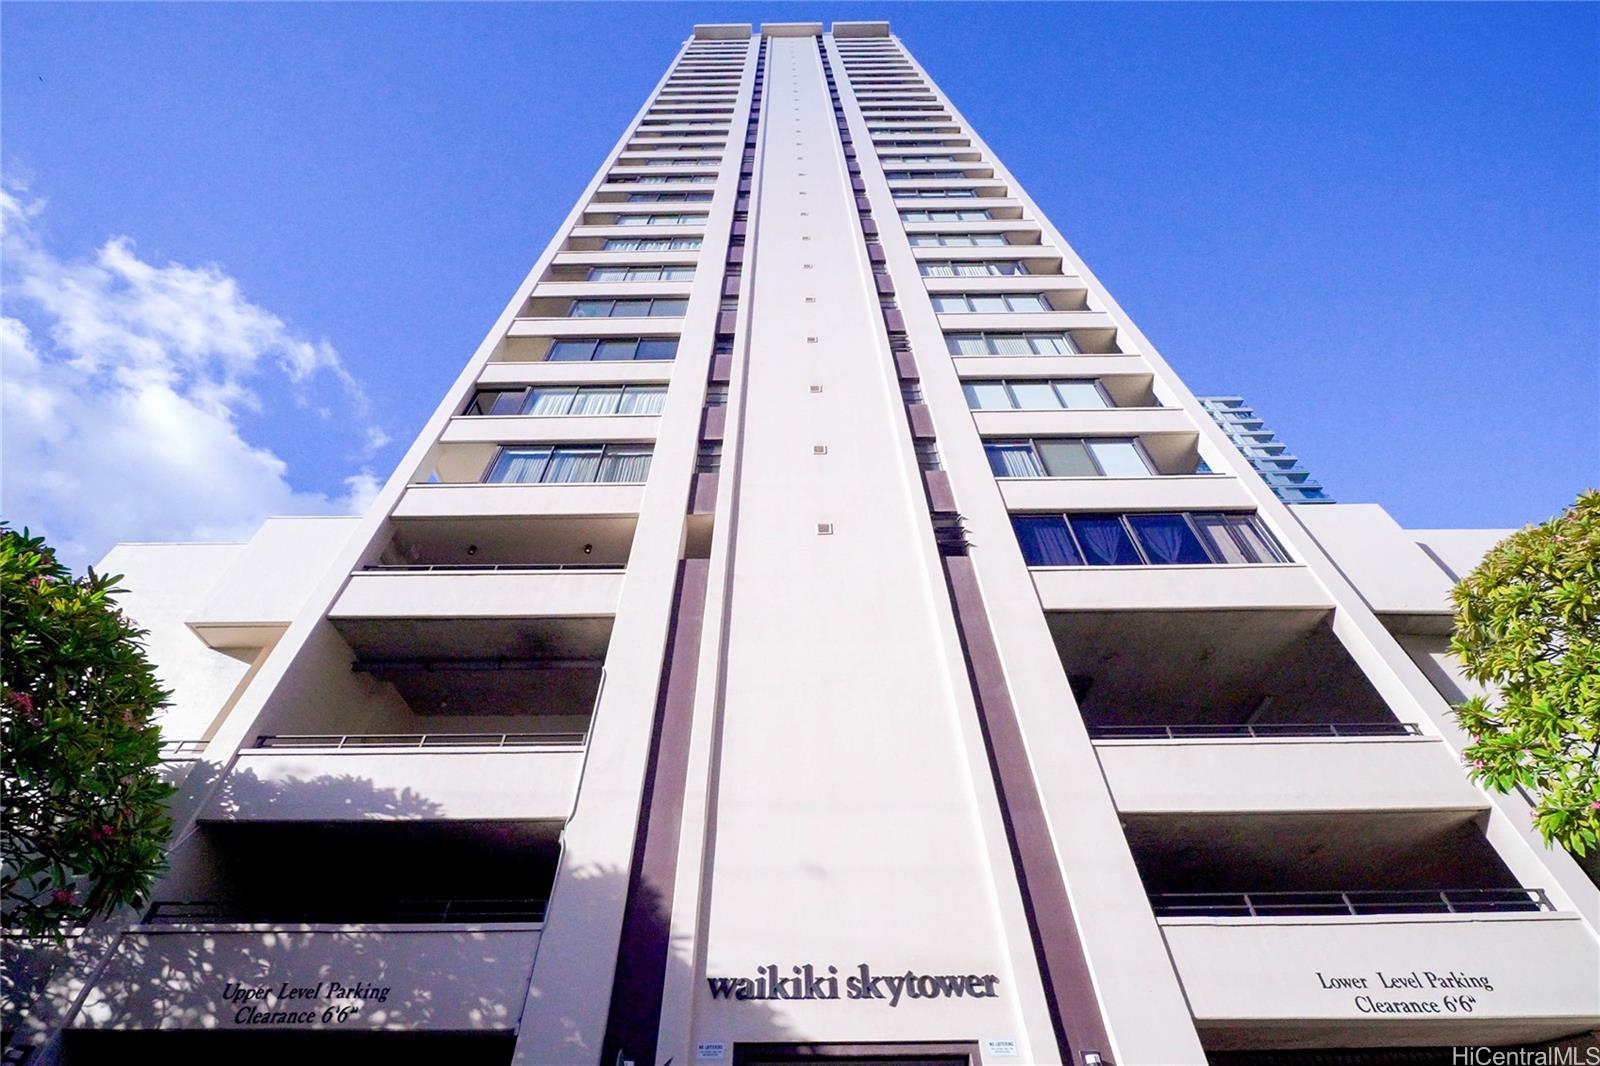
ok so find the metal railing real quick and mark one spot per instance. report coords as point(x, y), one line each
point(1353, 903)
point(428, 567)
point(419, 740)
point(182, 750)
point(1275, 729)
point(400, 911)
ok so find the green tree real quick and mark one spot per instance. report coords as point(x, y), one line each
point(1528, 623)
point(85, 816)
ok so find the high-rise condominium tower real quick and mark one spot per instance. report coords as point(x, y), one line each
point(818, 626)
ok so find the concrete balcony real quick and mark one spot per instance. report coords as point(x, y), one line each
point(1386, 980)
point(569, 290)
point(554, 429)
point(1019, 231)
point(1045, 278)
point(1040, 258)
point(1279, 586)
point(221, 983)
point(453, 593)
point(456, 777)
point(598, 257)
point(1084, 422)
point(595, 327)
point(1041, 321)
point(1068, 366)
point(1173, 492)
point(593, 372)
point(601, 232)
point(471, 500)
point(1266, 773)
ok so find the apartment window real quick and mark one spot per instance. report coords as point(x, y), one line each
point(660, 220)
point(960, 215)
point(612, 349)
point(935, 194)
point(660, 179)
point(567, 464)
point(656, 308)
point(956, 268)
point(709, 459)
point(927, 454)
point(952, 240)
point(1068, 457)
point(570, 400)
point(922, 175)
point(1173, 539)
point(1034, 395)
point(989, 303)
point(1059, 343)
point(651, 244)
point(669, 197)
point(642, 273)
point(716, 395)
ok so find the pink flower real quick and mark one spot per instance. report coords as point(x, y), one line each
point(1595, 806)
point(21, 701)
point(62, 895)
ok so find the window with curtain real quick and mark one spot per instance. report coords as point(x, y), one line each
point(547, 400)
point(1167, 539)
point(519, 466)
point(596, 401)
point(1009, 344)
point(625, 463)
point(1104, 540)
point(643, 400)
point(1013, 459)
point(572, 463)
point(1045, 540)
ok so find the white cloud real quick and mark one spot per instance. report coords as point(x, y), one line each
point(124, 384)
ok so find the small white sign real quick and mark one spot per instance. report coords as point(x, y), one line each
point(1000, 1049)
point(706, 1051)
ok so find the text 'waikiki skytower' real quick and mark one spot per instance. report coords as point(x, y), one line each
point(817, 626)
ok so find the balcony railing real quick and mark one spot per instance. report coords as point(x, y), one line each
point(1275, 729)
point(467, 567)
point(418, 740)
point(182, 750)
point(1377, 901)
point(402, 911)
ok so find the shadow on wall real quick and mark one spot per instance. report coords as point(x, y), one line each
point(649, 959)
point(341, 795)
point(42, 980)
point(276, 983)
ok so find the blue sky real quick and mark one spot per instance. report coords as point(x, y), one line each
point(278, 231)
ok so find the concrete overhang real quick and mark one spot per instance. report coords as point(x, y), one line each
point(860, 29)
point(722, 31)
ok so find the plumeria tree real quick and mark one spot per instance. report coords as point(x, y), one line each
point(85, 820)
point(1528, 624)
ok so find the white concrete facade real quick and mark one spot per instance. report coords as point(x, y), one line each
point(755, 660)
